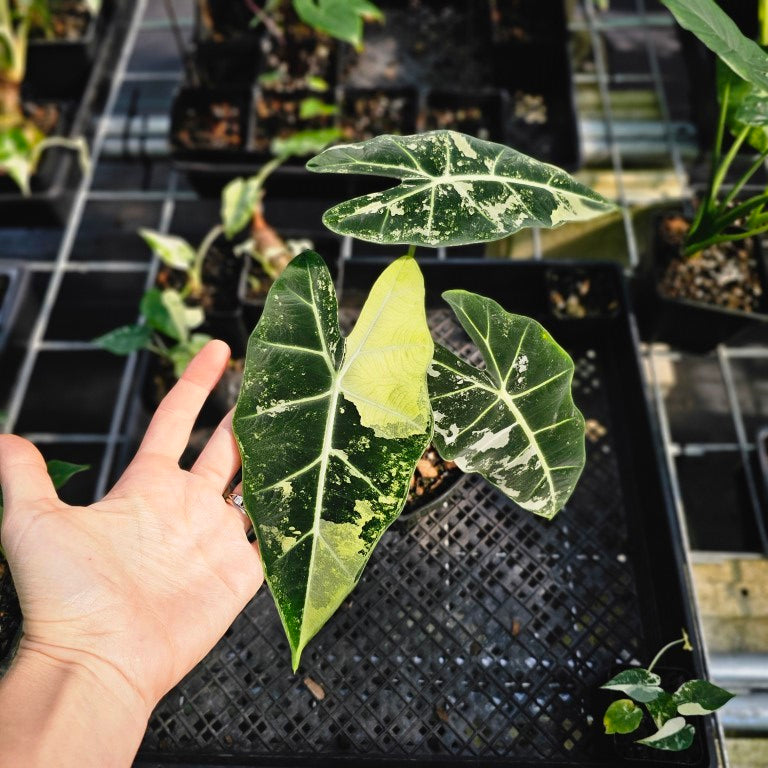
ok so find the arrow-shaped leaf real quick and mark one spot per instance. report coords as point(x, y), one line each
point(514, 422)
point(674, 736)
point(640, 684)
point(330, 431)
point(174, 251)
point(720, 34)
point(454, 189)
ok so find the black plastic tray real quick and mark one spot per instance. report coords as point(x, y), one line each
point(694, 326)
point(53, 185)
point(14, 281)
point(478, 635)
point(512, 74)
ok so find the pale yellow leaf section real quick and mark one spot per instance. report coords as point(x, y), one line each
point(388, 352)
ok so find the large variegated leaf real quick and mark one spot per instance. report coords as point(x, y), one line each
point(455, 189)
point(514, 422)
point(330, 430)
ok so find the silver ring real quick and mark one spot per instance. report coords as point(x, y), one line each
point(236, 500)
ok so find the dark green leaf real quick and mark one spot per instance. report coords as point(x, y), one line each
point(124, 340)
point(720, 34)
point(640, 684)
point(700, 697)
point(182, 354)
point(166, 312)
point(314, 107)
point(62, 471)
point(746, 106)
point(329, 431)
point(623, 716)
point(674, 736)
point(303, 143)
point(455, 189)
point(662, 708)
point(514, 422)
point(342, 19)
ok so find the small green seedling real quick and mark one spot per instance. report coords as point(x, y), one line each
point(742, 84)
point(667, 710)
point(330, 427)
point(22, 143)
point(170, 316)
point(60, 473)
point(168, 330)
point(342, 19)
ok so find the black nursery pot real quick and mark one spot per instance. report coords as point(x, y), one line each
point(478, 114)
point(58, 68)
point(761, 450)
point(14, 282)
point(197, 115)
point(327, 247)
point(692, 326)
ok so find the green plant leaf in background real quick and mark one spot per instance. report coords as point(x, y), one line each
point(238, 200)
point(662, 708)
point(330, 431)
point(674, 736)
point(166, 312)
point(124, 340)
point(623, 716)
point(314, 107)
point(303, 143)
point(514, 422)
point(710, 24)
point(342, 19)
point(181, 355)
point(454, 189)
point(61, 472)
point(747, 106)
point(640, 684)
point(173, 251)
point(700, 697)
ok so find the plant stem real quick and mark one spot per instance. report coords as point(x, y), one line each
point(729, 216)
point(266, 20)
point(762, 17)
point(700, 245)
point(745, 178)
point(656, 658)
point(411, 250)
point(195, 281)
point(726, 163)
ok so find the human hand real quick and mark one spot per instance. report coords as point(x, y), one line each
point(135, 589)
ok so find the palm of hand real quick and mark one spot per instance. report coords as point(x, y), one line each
point(146, 580)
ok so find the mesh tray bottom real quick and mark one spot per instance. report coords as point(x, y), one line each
point(480, 631)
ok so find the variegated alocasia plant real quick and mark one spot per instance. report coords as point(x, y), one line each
point(330, 430)
point(352, 416)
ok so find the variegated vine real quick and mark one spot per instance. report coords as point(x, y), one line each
point(667, 710)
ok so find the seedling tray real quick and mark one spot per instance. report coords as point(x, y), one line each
point(479, 634)
point(514, 86)
point(59, 170)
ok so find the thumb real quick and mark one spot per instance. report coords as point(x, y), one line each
point(23, 474)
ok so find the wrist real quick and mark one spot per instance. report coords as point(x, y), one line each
point(66, 708)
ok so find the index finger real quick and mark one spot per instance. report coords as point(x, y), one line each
point(168, 432)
